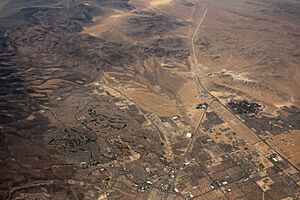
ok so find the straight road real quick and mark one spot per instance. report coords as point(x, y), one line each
point(200, 120)
point(225, 113)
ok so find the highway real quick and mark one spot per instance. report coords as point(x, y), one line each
point(224, 112)
point(200, 120)
point(187, 150)
point(245, 133)
point(248, 133)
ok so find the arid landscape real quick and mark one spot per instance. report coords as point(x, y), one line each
point(157, 99)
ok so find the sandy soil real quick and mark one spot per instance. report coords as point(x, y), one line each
point(151, 102)
point(150, 79)
point(101, 25)
point(257, 57)
point(51, 83)
point(189, 97)
point(3, 3)
point(288, 144)
point(159, 2)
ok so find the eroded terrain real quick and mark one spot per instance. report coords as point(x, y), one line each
point(159, 99)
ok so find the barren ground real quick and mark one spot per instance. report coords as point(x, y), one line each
point(160, 99)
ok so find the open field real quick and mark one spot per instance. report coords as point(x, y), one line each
point(288, 145)
point(250, 59)
point(159, 2)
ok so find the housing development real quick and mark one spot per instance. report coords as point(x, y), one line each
point(150, 99)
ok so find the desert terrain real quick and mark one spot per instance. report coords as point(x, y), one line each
point(158, 99)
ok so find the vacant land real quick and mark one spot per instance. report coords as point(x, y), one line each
point(159, 2)
point(288, 145)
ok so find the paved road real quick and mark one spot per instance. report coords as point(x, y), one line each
point(199, 123)
point(225, 113)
